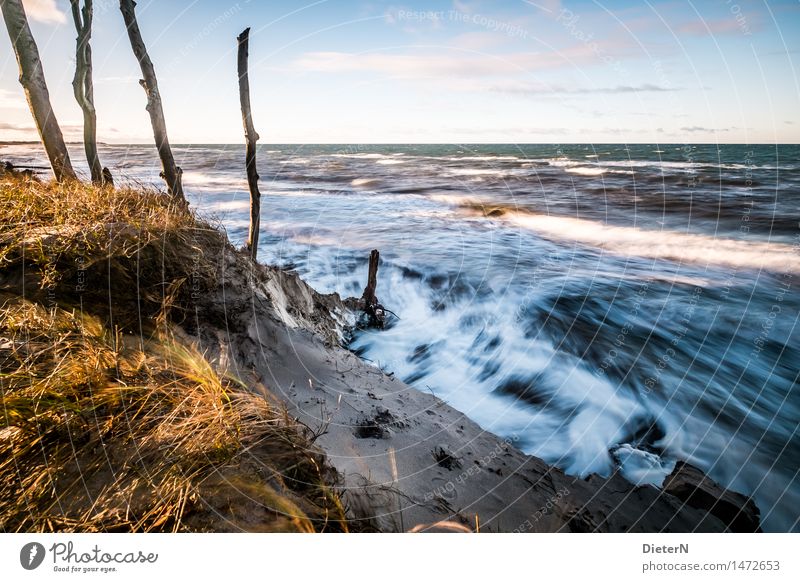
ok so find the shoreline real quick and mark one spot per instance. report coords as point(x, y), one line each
point(408, 459)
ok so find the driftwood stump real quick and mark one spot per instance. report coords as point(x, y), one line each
point(369, 301)
point(108, 179)
point(369, 297)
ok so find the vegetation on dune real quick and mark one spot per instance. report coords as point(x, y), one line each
point(77, 244)
point(115, 424)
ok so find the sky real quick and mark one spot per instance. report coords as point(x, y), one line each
point(450, 71)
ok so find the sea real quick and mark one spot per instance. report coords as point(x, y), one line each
point(604, 307)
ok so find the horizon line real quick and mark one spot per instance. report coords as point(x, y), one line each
point(397, 143)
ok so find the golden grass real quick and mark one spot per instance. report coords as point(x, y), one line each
point(111, 429)
point(55, 236)
point(104, 432)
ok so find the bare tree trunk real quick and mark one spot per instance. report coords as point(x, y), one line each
point(251, 137)
point(82, 85)
point(170, 172)
point(32, 79)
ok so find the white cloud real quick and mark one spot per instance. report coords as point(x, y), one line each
point(550, 6)
point(697, 128)
point(121, 80)
point(12, 99)
point(478, 40)
point(713, 27)
point(559, 90)
point(426, 65)
point(5, 126)
point(44, 11)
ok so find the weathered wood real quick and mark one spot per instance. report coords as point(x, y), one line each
point(369, 298)
point(251, 137)
point(170, 172)
point(82, 85)
point(31, 77)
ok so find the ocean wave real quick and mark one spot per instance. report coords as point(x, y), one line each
point(476, 172)
point(482, 159)
point(662, 244)
point(641, 243)
point(586, 171)
point(362, 156)
point(228, 205)
point(364, 181)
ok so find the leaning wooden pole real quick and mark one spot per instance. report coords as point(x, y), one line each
point(170, 172)
point(32, 79)
point(251, 137)
point(82, 85)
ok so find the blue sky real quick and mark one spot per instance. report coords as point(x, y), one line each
point(454, 71)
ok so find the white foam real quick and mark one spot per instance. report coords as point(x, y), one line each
point(476, 172)
point(361, 156)
point(662, 244)
point(586, 171)
point(483, 159)
point(230, 205)
point(364, 181)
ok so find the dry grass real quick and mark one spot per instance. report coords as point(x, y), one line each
point(107, 430)
point(104, 432)
point(54, 236)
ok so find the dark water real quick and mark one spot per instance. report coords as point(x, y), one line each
point(603, 305)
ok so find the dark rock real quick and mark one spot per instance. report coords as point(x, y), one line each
point(689, 484)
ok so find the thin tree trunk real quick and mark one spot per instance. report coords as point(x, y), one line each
point(251, 137)
point(82, 85)
point(32, 79)
point(170, 172)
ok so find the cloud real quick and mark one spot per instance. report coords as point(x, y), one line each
point(438, 65)
point(12, 100)
point(44, 11)
point(5, 126)
point(484, 131)
point(549, 6)
point(697, 128)
point(713, 27)
point(122, 80)
point(477, 41)
point(67, 128)
point(555, 90)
